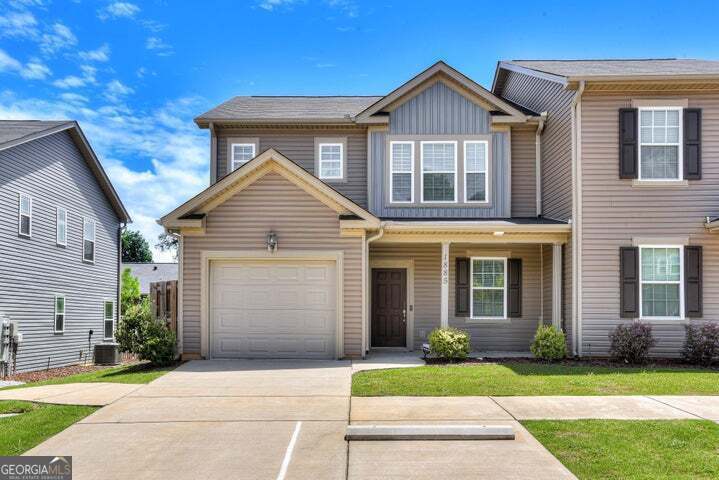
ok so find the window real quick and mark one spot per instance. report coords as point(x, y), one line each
point(660, 138)
point(439, 172)
point(241, 154)
point(660, 276)
point(24, 226)
point(61, 226)
point(88, 240)
point(402, 172)
point(331, 160)
point(475, 171)
point(59, 324)
point(109, 318)
point(489, 294)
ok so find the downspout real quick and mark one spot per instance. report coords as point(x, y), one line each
point(118, 301)
point(538, 162)
point(365, 287)
point(180, 315)
point(577, 220)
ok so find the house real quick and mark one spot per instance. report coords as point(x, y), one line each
point(147, 273)
point(336, 225)
point(59, 238)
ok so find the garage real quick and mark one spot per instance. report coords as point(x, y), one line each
point(273, 308)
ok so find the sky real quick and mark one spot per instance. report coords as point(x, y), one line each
point(135, 74)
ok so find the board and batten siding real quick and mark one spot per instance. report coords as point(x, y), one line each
point(524, 185)
point(300, 221)
point(614, 212)
point(298, 144)
point(55, 174)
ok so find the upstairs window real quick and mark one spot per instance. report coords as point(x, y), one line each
point(475, 171)
point(661, 294)
point(402, 172)
point(331, 161)
point(59, 321)
point(61, 226)
point(24, 226)
point(88, 240)
point(109, 319)
point(660, 139)
point(439, 172)
point(241, 154)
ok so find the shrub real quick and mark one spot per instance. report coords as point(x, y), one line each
point(549, 343)
point(130, 293)
point(129, 328)
point(701, 345)
point(631, 343)
point(449, 343)
point(140, 333)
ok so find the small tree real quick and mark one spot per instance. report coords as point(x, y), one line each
point(135, 248)
point(130, 292)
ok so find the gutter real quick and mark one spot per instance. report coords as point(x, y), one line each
point(538, 162)
point(365, 280)
point(576, 111)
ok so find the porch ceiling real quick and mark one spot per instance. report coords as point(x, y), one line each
point(496, 232)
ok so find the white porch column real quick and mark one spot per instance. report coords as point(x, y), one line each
point(557, 285)
point(444, 291)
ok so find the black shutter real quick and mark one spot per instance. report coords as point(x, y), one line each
point(461, 288)
point(693, 143)
point(628, 151)
point(629, 282)
point(693, 301)
point(514, 288)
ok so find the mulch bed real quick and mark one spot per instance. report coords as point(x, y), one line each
point(59, 372)
point(570, 362)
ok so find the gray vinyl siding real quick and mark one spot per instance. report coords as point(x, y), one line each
point(301, 223)
point(524, 186)
point(298, 144)
point(614, 212)
point(54, 173)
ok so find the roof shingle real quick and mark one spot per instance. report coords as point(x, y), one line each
point(622, 68)
point(11, 130)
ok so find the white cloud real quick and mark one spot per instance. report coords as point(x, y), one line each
point(18, 24)
point(325, 65)
point(116, 90)
point(157, 45)
point(118, 10)
point(74, 98)
point(100, 54)
point(348, 7)
point(57, 38)
point(271, 5)
point(33, 70)
point(8, 63)
point(73, 81)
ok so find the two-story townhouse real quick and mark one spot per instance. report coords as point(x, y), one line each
point(59, 243)
point(334, 225)
point(629, 153)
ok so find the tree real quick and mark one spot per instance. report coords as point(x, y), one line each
point(135, 248)
point(167, 242)
point(130, 292)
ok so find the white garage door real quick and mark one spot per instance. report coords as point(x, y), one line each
point(273, 309)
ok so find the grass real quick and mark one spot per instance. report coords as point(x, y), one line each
point(509, 378)
point(621, 449)
point(37, 423)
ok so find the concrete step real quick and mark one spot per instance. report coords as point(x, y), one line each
point(429, 432)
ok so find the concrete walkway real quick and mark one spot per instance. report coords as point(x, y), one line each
point(94, 394)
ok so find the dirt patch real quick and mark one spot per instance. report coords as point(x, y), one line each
point(571, 362)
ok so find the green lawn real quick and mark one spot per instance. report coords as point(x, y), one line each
point(39, 422)
point(515, 378)
point(621, 449)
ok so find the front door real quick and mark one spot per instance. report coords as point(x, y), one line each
point(389, 307)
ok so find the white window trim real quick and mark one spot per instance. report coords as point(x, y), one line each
point(58, 241)
point(105, 319)
point(486, 171)
point(20, 215)
point(392, 172)
point(342, 161)
point(680, 144)
point(681, 283)
point(472, 288)
point(422, 172)
point(94, 240)
point(232, 153)
point(64, 313)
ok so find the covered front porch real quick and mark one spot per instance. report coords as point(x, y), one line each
point(497, 280)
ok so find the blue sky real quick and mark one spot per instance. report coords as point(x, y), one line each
point(134, 74)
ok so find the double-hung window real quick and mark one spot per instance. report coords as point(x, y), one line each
point(61, 226)
point(660, 141)
point(88, 240)
point(475, 171)
point(59, 320)
point(24, 226)
point(402, 172)
point(661, 292)
point(489, 288)
point(109, 319)
point(331, 161)
point(241, 154)
point(439, 172)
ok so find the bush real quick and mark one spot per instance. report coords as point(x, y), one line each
point(449, 343)
point(701, 345)
point(549, 343)
point(631, 343)
point(141, 334)
point(128, 332)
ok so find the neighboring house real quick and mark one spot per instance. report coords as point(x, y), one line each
point(334, 225)
point(59, 242)
point(148, 273)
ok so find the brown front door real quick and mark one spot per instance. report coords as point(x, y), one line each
point(389, 307)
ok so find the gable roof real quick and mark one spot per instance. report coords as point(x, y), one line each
point(148, 273)
point(18, 132)
point(191, 213)
point(287, 109)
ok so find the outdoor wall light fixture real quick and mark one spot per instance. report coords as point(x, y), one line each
point(272, 242)
point(498, 234)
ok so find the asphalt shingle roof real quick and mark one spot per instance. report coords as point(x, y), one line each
point(621, 68)
point(11, 130)
point(148, 273)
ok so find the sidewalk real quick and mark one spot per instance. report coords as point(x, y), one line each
point(95, 394)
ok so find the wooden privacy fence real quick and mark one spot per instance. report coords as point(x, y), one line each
point(164, 302)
